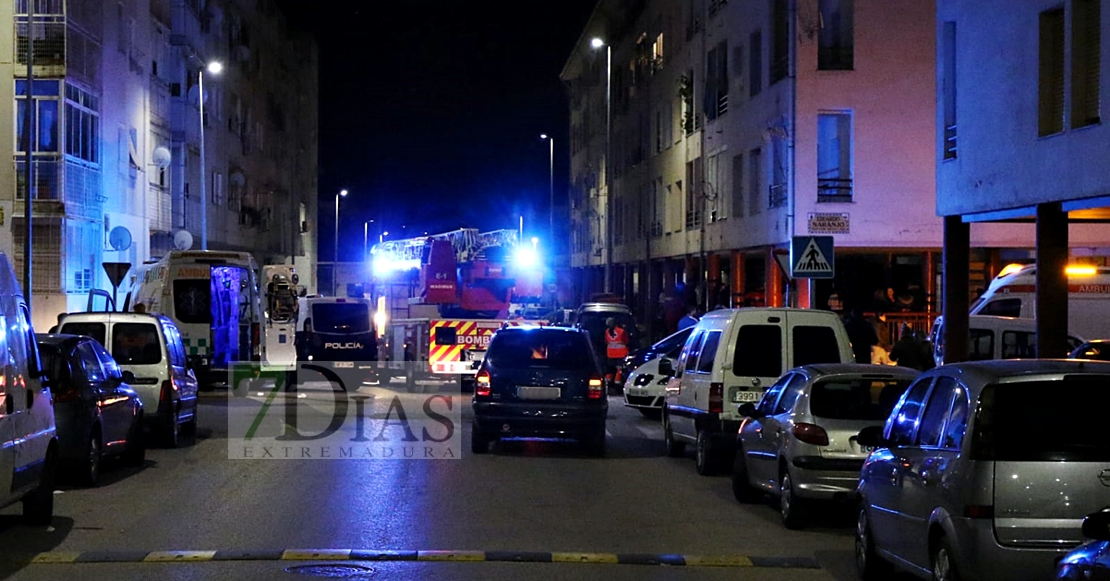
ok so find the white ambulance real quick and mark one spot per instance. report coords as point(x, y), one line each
point(1013, 294)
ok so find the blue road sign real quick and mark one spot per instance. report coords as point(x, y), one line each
point(811, 257)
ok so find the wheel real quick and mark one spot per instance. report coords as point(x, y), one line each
point(944, 564)
point(189, 429)
point(172, 433)
point(707, 460)
point(38, 506)
point(869, 565)
point(479, 444)
point(136, 444)
point(791, 508)
point(651, 413)
point(595, 446)
point(674, 448)
point(89, 471)
point(741, 487)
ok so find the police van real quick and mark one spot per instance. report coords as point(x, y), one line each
point(1013, 293)
point(339, 332)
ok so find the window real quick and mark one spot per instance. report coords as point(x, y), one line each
point(780, 42)
point(709, 352)
point(1002, 308)
point(716, 81)
point(82, 124)
point(834, 157)
point(94, 330)
point(738, 185)
point(136, 344)
point(192, 300)
point(856, 398)
point(755, 180)
point(1086, 46)
point(957, 421)
point(814, 344)
point(563, 351)
point(755, 63)
point(790, 394)
point(1019, 345)
point(948, 87)
point(695, 204)
point(980, 345)
point(932, 422)
point(771, 396)
point(758, 351)
point(689, 354)
point(45, 122)
point(175, 347)
point(90, 363)
point(109, 365)
point(1050, 103)
point(835, 45)
point(902, 424)
point(776, 194)
point(690, 121)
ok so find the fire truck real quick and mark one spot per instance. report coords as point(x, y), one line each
point(440, 299)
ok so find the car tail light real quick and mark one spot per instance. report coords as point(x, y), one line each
point(596, 388)
point(167, 390)
point(67, 396)
point(481, 387)
point(811, 434)
point(716, 398)
point(979, 511)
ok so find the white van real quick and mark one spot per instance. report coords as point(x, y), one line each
point(993, 337)
point(28, 441)
point(1013, 294)
point(732, 357)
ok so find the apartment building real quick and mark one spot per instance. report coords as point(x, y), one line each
point(120, 170)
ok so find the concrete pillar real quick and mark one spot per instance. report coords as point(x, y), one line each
point(1052, 281)
point(806, 290)
point(737, 282)
point(774, 280)
point(714, 281)
point(957, 246)
point(929, 276)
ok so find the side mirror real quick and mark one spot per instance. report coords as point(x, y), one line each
point(666, 366)
point(872, 436)
point(748, 410)
point(128, 376)
point(1097, 525)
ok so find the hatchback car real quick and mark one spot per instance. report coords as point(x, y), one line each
point(1091, 560)
point(670, 343)
point(540, 382)
point(801, 441)
point(985, 470)
point(1098, 349)
point(96, 411)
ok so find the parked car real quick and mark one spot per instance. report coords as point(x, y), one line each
point(668, 344)
point(984, 470)
point(540, 382)
point(1091, 560)
point(646, 386)
point(97, 413)
point(801, 442)
point(28, 438)
point(997, 337)
point(729, 358)
point(149, 346)
point(592, 318)
point(1097, 349)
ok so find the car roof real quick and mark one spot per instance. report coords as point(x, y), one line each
point(822, 369)
point(115, 317)
point(999, 370)
point(60, 339)
point(728, 313)
point(536, 329)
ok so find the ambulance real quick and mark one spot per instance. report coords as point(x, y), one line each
point(1013, 294)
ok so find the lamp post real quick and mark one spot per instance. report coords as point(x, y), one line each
point(365, 239)
point(214, 68)
point(551, 190)
point(335, 257)
point(381, 237)
point(597, 43)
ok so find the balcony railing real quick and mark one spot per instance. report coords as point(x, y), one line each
point(834, 189)
point(835, 58)
point(776, 195)
point(950, 142)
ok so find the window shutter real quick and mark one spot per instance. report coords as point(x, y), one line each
point(1051, 82)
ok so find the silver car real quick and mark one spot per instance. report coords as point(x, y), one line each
point(985, 470)
point(800, 442)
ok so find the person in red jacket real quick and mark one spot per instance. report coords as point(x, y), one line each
point(616, 347)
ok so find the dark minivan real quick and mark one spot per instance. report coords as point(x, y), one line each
point(543, 382)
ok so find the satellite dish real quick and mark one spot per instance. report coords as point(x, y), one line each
point(182, 240)
point(119, 238)
point(237, 179)
point(161, 157)
point(194, 95)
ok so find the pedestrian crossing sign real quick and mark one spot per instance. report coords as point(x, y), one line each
point(811, 257)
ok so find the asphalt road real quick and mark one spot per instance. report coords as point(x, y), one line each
point(536, 501)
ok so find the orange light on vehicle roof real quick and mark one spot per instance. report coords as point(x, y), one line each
point(1081, 270)
point(1010, 269)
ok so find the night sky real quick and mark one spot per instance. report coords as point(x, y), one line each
point(431, 112)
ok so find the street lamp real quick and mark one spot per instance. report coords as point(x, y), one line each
point(214, 68)
point(335, 257)
point(597, 43)
point(381, 237)
point(551, 188)
point(365, 237)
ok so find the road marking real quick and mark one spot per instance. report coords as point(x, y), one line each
point(643, 559)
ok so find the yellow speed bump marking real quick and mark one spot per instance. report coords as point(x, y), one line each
point(56, 557)
point(584, 558)
point(317, 554)
point(174, 556)
point(451, 556)
point(717, 561)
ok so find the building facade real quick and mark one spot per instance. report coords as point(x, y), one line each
point(734, 127)
point(116, 133)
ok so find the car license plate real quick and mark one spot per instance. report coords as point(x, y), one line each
point(529, 392)
point(344, 364)
point(746, 396)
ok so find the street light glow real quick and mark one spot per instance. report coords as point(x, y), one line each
point(342, 192)
point(215, 67)
point(597, 42)
point(543, 136)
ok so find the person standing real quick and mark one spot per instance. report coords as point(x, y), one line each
point(689, 319)
point(910, 351)
point(616, 348)
point(862, 335)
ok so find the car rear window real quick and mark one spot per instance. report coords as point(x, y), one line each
point(856, 398)
point(540, 350)
point(136, 344)
point(1050, 420)
point(57, 369)
point(340, 318)
point(815, 344)
point(94, 330)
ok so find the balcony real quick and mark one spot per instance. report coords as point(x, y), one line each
point(776, 195)
point(835, 58)
point(834, 190)
point(950, 142)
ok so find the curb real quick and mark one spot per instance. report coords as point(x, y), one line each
point(672, 560)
